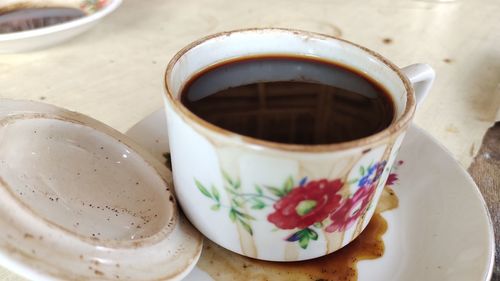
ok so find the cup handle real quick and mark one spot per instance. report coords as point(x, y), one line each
point(421, 77)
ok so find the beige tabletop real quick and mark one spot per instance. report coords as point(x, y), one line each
point(114, 72)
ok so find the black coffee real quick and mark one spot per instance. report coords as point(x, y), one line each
point(22, 19)
point(295, 100)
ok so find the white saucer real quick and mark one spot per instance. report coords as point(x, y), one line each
point(441, 231)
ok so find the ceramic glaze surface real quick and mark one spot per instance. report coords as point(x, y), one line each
point(424, 236)
point(89, 192)
point(83, 194)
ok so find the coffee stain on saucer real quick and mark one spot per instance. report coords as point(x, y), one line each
point(223, 265)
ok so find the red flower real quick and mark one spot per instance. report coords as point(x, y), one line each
point(306, 205)
point(392, 179)
point(352, 209)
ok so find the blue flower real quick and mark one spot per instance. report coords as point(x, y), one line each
point(364, 180)
point(303, 181)
point(373, 174)
point(372, 169)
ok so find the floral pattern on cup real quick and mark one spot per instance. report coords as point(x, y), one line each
point(92, 6)
point(305, 207)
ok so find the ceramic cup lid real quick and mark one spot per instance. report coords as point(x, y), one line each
point(79, 200)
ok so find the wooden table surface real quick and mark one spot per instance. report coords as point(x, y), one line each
point(114, 72)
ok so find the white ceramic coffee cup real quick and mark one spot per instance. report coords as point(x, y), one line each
point(283, 202)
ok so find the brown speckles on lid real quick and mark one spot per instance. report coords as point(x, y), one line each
point(42, 98)
point(85, 210)
point(448, 60)
point(168, 160)
point(387, 40)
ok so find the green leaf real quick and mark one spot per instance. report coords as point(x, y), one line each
point(258, 204)
point(232, 215)
point(318, 225)
point(202, 189)
point(231, 191)
point(215, 193)
point(237, 203)
point(305, 207)
point(353, 181)
point(246, 226)
point(243, 215)
point(259, 190)
point(215, 207)
point(312, 234)
point(304, 241)
point(288, 185)
point(362, 170)
point(275, 191)
point(227, 178)
point(297, 235)
point(237, 184)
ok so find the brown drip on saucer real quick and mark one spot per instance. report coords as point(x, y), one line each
point(223, 265)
